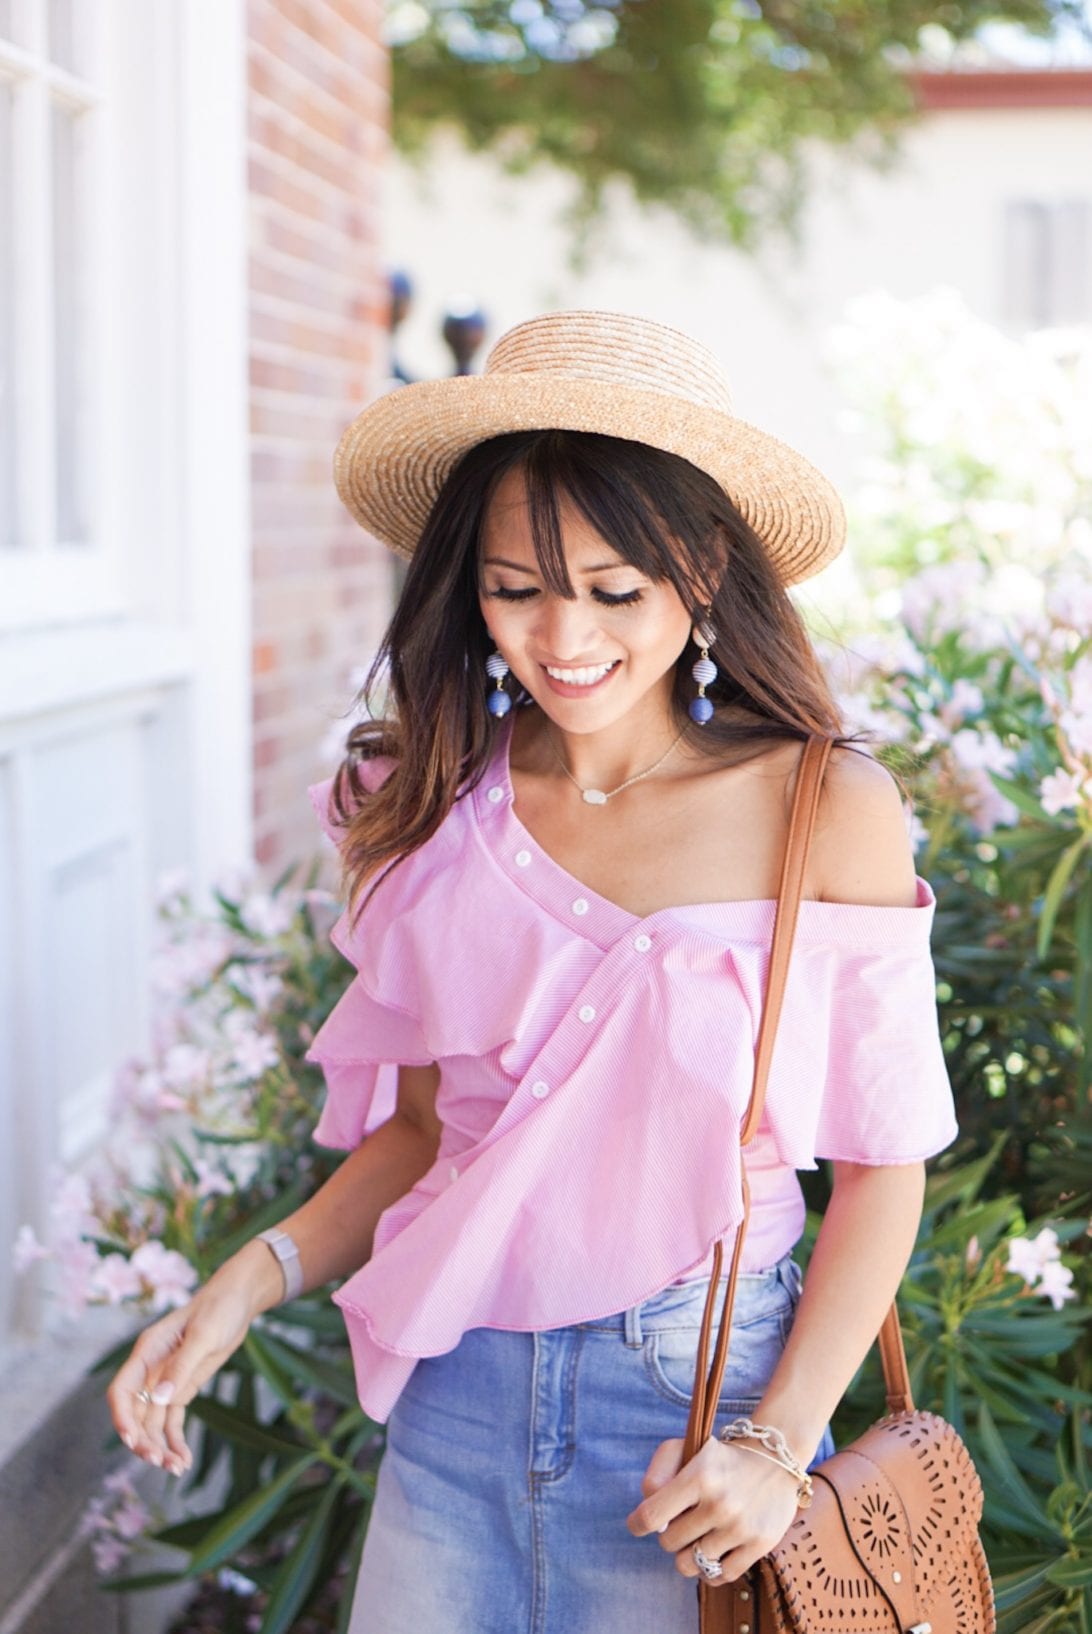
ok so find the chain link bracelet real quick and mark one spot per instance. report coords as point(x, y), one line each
point(778, 1451)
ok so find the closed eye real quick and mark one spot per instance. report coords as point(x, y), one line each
point(625, 600)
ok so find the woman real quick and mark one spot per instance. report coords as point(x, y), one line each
point(562, 851)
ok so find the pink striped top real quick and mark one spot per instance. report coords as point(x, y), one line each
point(595, 1068)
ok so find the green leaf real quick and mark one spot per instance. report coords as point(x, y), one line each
point(1071, 1573)
point(1011, 1587)
point(348, 1589)
point(1012, 1482)
point(235, 1527)
point(1021, 797)
point(332, 1379)
point(143, 1580)
point(296, 1577)
point(240, 1428)
point(256, 1346)
point(1052, 896)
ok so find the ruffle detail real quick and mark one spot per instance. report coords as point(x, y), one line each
point(371, 1031)
point(360, 1047)
point(858, 1071)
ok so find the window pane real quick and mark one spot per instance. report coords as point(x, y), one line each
point(7, 325)
point(69, 323)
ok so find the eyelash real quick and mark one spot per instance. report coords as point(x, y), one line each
point(626, 600)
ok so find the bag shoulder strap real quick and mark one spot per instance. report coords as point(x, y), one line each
point(703, 1406)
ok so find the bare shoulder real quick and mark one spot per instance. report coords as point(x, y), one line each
point(861, 849)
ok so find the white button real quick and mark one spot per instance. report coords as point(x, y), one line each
point(540, 1088)
point(453, 1172)
point(642, 943)
point(587, 1012)
point(522, 859)
point(580, 905)
point(496, 793)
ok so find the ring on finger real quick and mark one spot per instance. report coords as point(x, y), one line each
point(143, 1394)
point(711, 1570)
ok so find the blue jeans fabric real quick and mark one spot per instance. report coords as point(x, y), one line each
point(513, 1460)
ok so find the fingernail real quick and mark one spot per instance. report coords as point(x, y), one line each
point(155, 1458)
point(162, 1393)
point(129, 1440)
point(664, 1527)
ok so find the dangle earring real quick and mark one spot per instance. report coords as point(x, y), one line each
point(704, 671)
point(498, 702)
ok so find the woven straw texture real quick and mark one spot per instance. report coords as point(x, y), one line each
point(607, 372)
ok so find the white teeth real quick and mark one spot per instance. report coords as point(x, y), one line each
point(579, 677)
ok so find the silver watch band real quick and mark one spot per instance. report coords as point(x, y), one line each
point(287, 1252)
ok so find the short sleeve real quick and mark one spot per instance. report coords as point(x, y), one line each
point(372, 1029)
point(858, 1070)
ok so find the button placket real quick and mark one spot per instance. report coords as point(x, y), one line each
point(563, 1051)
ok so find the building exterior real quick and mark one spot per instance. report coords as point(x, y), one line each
point(192, 306)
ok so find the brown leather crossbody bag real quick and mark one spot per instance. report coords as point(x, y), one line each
point(890, 1540)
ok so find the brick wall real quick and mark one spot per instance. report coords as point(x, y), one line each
point(317, 117)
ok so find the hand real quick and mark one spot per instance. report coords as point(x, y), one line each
point(734, 1505)
point(177, 1354)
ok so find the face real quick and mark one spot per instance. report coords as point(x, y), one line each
point(589, 660)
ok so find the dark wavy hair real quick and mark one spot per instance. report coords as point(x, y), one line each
point(657, 511)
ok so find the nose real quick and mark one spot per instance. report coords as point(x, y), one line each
point(568, 632)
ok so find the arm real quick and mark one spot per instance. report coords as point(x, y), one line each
point(334, 1230)
point(736, 1505)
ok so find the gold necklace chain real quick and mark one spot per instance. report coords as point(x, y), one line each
point(597, 797)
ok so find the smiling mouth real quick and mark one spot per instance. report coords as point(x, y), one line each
point(586, 676)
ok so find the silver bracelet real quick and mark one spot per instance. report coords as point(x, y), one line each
point(778, 1451)
point(287, 1252)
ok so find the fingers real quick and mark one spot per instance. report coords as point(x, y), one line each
point(137, 1373)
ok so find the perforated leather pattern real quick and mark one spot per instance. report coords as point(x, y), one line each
point(890, 1540)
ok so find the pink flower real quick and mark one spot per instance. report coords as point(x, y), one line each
point(966, 699)
point(267, 915)
point(27, 1249)
point(115, 1280)
point(185, 1067)
point(130, 1518)
point(108, 1551)
point(169, 1277)
point(254, 1053)
point(77, 1262)
point(210, 1181)
point(260, 986)
point(1055, 1283)
point(1061, 791)
point(71, 1212)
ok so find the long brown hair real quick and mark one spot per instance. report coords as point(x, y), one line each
point(658, 512)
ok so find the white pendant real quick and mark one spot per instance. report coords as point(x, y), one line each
point(594, 797)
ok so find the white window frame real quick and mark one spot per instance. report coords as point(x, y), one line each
point(44, 578)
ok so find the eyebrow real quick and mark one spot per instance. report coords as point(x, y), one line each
point(518, 567)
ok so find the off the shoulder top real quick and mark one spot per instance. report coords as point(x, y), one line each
point(595, 1070)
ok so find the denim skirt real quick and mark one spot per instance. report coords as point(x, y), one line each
point(513, 1460)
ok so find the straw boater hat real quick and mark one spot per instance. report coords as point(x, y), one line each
point(609, 372)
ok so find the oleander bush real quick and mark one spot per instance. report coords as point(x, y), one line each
point(967, 649)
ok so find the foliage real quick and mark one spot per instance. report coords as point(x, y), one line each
point(976, 675)
point(212, 1144)
point(705, 106)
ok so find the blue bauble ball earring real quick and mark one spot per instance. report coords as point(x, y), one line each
point(498, 702)
point(704, 671)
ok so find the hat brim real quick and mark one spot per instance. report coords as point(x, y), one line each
point(393, 459)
